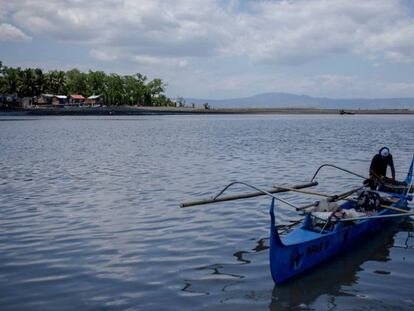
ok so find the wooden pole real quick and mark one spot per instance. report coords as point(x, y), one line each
point(394, 208)
point(245, 195)
point(301, 208)
point(377, 217)
point(303, 191)
point(344, 195)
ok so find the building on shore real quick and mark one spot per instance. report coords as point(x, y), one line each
point(59, 101)
point(76, 100)
point(10, 101)
point(44, 100)
point(28, 102)
point(94, 101)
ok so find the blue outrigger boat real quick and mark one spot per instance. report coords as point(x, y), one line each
point(317, 240)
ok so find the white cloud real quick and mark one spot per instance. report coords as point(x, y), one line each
point(11, 33)
point(190, 42)
point(281, 32)
point(114, 54)
point(334, 86)
point(103, 55)
point(159, 61)
point(294, 32)
point(343, 86)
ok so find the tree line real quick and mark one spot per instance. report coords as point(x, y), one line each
point(115, 89)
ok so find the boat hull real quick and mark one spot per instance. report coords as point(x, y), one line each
point(302, 249)
point(290, 260)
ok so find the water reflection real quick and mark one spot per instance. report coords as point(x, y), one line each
point(330, 278)
point(220, 271)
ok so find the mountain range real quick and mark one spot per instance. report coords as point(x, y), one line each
point(286, 100)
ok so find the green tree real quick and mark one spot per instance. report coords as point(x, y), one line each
point(39, 82)
point(25, 83)
point(10, 80)
point(115, 93)
point(76, 82)
point(95, 83)
point(56, 82)
point(181, 101)
point(115, 89)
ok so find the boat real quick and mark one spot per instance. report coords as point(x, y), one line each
point(342, 112)
point(330, 227)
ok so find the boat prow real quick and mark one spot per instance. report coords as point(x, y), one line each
point(298, 251)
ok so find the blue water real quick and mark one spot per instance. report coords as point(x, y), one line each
point(89, 215)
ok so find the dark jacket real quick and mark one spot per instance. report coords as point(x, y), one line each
point(379, 165)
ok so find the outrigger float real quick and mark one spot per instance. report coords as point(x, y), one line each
point(331, 226)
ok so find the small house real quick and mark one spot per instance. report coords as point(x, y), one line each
point(94, 101)
point(28, 102)
point(59, 101)
point(10, 101)
point(44, 100)
point(76, 100)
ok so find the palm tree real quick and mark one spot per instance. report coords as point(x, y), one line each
point(56, 82)
point(39, 81)
point(10, 80)
point(116, 89)
point(95, 82)
point(76, 82)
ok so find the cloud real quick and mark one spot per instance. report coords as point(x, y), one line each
point(103, 55)
point(159, 61)
point(13, 34)
point(288, 32)
point(296, 32)
point(329, 85)
point(114, 54)
point(161, 29)
point(348, 86)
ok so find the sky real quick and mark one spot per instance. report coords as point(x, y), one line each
point(218, 49)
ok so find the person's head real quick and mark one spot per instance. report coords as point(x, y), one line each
point(384, 152)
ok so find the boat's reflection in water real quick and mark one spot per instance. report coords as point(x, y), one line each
point(336, 278)
point(331, 277)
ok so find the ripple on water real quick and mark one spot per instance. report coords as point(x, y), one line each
point(89, 214)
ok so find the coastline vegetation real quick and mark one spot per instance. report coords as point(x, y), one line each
point(115, 89)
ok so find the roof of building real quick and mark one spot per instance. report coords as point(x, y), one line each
point(75, 96)
point(47, 95)
point(94, 97)
point(61, 96)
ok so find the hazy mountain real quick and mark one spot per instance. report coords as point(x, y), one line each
point(281, 100)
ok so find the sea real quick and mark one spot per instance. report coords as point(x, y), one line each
point(90, 216)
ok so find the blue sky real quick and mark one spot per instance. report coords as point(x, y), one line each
point(222, 48)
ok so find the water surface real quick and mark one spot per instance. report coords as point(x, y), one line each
point(89, 214)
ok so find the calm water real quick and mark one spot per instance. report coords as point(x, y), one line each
point(89, 215)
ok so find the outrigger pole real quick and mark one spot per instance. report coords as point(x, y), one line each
point(246, 195)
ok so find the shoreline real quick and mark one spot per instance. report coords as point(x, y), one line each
point(127, 110)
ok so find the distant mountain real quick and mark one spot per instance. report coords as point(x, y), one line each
point(285, 100)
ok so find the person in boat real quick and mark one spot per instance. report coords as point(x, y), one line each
point(378, 168)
